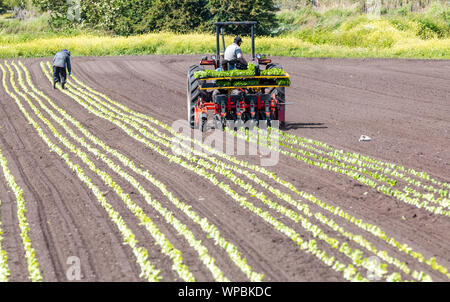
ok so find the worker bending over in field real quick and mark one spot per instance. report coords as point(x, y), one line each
point(60, 62)
point(234, 57)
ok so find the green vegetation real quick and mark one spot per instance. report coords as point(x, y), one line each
point(130, 17)
point(272, 72)
point(400, 32)
point(243, 81)
point(231, 73)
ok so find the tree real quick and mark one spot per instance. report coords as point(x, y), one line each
point(175, 15)
point(262, 11)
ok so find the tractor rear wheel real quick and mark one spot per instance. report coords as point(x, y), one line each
point(193, 92)
point(280, 95)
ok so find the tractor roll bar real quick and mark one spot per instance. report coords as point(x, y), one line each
point(219, 30)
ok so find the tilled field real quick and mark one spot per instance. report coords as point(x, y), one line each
point(96, 173)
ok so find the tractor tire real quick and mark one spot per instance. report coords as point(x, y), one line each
point(280, 92)
point(192, 94)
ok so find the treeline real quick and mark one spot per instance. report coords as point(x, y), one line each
point(129, 17)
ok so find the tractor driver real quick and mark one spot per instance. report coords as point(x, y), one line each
point(233, 55)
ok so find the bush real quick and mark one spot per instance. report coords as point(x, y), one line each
point(428, 29)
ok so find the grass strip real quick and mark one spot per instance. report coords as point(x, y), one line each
point(404, 197)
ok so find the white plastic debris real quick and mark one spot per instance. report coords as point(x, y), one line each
point(364, 138)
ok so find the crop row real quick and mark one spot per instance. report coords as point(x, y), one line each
point(336, 157)
point(394, 170)
point(182, 229)
point(374, 230)
point(311, 246)
point(335, 166)
point(148, 271)
point(4, 268)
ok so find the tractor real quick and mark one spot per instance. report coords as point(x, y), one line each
point(256, 99)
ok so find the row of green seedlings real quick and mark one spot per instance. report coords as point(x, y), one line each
point(349, 272)
point(182, 229)
point(335, 167)
point(167, 248)
point(336, 157)
point(364, 241)
point(407, 191)
point(148, 271)
point(374, 230)
point(30, 253)
point(4, 268)
point(365, 161)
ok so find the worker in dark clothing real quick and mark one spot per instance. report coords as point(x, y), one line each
point(60, 62)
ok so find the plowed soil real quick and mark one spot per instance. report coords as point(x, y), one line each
point(402, 105)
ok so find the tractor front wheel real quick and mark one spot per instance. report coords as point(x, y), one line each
point(193, 92)
point(280, 96)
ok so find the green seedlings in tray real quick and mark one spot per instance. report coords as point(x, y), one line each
point(33, 265)
point(223, 83)
point(283, 82)
point(241, 83)
point(230, 73)
point(272, 72)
